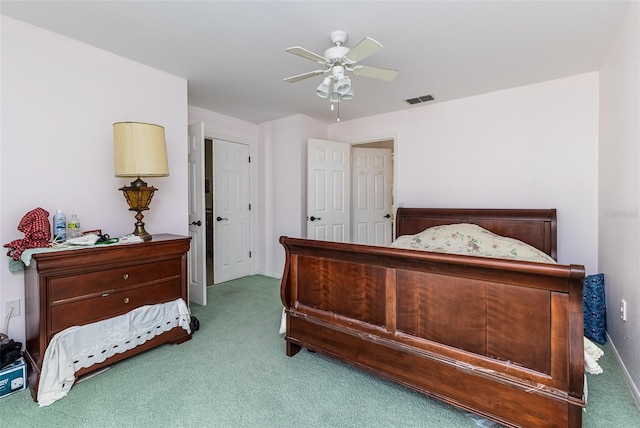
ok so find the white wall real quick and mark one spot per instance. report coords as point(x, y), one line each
point(59, 101)
point(284, 181)
point(529, 147)
point(227, 128)
point(619, 196)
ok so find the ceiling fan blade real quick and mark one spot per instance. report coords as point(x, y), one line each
point(366, 47)
point(304, 53)
point(375, 72)
point(303, 76)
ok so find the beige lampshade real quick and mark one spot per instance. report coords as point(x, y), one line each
point(139, 150)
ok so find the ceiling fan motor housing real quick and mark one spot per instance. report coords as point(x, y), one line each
point(335, 54)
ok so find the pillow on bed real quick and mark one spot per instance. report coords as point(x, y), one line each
point(472, 240)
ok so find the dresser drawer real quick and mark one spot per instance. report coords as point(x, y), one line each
point(68, 287)
point(86, 311)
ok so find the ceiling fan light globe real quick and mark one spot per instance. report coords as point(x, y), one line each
point(323, 89)
point(343, 85)
point(321, 94)
point(349, 95)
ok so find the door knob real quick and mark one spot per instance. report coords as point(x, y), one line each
point(387, 216)
point(312, 218)
point(196, 223)
point(220, 218)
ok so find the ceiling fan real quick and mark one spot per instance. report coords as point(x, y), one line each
point(337, 60)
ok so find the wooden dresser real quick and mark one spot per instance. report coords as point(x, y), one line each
point(77, 287)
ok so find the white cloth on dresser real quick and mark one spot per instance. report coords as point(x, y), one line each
point(82, 346)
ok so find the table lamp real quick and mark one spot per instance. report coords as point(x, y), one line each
point(139, 151)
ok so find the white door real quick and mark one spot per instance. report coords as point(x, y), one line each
point(328, 190)
point(371, 190)
point(197, 276)
point(231, 211)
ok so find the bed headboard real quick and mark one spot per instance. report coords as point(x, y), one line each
point(536, 227)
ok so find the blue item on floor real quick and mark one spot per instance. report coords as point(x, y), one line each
point(594, 306)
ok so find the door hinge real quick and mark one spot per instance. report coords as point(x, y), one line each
point(249, 254)
point(249, 159)
point(249, 207)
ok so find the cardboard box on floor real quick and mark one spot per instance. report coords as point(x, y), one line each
point(13, 378)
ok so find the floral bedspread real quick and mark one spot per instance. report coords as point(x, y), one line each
point(472, 240)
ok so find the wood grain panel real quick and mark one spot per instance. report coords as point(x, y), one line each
point(559, 337)
point(519, 326)
point(435, 307)
point(357, 291)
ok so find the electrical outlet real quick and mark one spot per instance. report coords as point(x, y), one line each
point(12, 307)
point(623, 310)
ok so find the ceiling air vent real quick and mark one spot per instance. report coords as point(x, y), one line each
point(422, 99)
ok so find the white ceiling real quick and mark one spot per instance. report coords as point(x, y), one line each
point(233, 52)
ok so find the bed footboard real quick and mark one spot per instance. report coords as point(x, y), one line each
point(503, 339)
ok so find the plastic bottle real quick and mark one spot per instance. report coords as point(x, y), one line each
point(59, 226)
point(74, 227)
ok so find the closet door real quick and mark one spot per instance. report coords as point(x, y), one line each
point(371, 201)
point(231, 211)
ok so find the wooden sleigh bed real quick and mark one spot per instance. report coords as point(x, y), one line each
point(500, 338)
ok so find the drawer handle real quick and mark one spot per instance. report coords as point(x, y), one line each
point(125, 276)
point(126, 300)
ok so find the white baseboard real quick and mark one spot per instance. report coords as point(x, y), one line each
point(270, 274)
point(627, 377)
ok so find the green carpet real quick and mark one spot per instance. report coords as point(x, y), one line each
point(234, 373)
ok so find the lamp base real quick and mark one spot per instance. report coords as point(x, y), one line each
point(139, 229)
point(138, 196)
